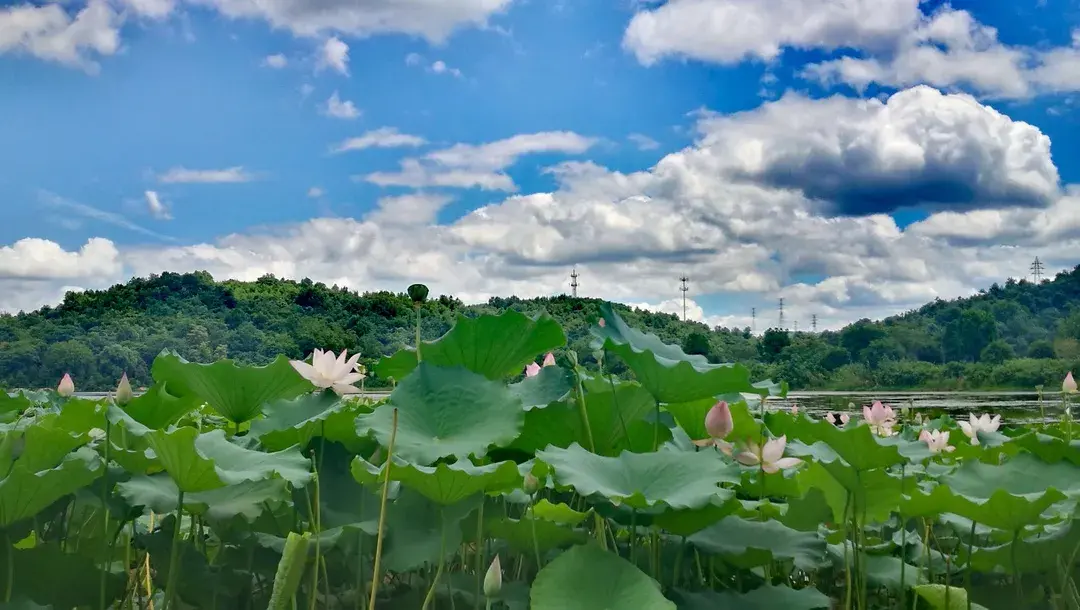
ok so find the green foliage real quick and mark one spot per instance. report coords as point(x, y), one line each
point(593, 491)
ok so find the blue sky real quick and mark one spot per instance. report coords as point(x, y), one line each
point(857, 164)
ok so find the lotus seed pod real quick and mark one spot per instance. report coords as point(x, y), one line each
point(418, 293)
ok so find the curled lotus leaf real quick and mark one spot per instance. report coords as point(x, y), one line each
point(587, 577)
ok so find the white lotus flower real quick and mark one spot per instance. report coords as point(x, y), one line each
point(983, 423)
point(936, 440)
point(327, 371)
point(770, 457)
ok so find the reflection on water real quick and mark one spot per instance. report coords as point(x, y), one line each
point(1014, 407)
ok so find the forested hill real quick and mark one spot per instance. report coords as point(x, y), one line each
point(1017, 335)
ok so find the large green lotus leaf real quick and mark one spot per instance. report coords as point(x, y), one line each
point(416, 526)
point(200, 462)
point(1003, 510)
point(690, 416)
point(24, 494)
point(200, 584)
point(493, 346)
point(247, 499)
point(1024, 475)
point(641, 480)
point(47, 575)
point(824, 442)
point(445, 412)
point(691, 521)
point(808, 512)
point(345, 505)
point(767, 597)
point(21, 603)
point(749, 544)
point(760, 484)
point(615, 419)
point(551, 384)
point(589, 578)
point(443, 483)
point(296, 421)
point(942, 597)
point(557, 513)
point(875, 491)
point(79, 415)
point(1038, 553)
point(667, 372)
point(1049, 448)
point(236, 392)
point(11, 405)
point(518, 533)
point(881, 570)
point(158, 409)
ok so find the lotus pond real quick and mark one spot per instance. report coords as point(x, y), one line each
point(496, 476)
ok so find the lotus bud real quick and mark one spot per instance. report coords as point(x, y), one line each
point(418, 293)
point(549, 359)
point(66, 387)
point(602, 323)
point(493, 579)
point(531, 484)
point(1069, 385)
point(794, 409)
point(123, 391)
point(718, 422)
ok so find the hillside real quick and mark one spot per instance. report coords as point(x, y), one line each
point(1016, 335)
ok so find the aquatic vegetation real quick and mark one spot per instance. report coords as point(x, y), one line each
point(488, 479)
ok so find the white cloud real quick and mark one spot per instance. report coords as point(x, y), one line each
point(153, 9)
point(69, 207)
point(479, 165)
point(49, 33)
point(440, 67)
point(431, 19)
point(334, 54)
point(157, 208)
point(340, 109)
point(315, 192)
point(643, 142)
point(179, 175)
point(276, 61)
point(413, 59)
point(729, 31)
point(383, 137)
point(37, 259)
point(413, 209)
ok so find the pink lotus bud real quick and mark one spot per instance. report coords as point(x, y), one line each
point(718, 422)
point(549, 359)
point(794, 409)
point(602, 323)
point(1069, 385)
point(66, 387)
point(532, 369)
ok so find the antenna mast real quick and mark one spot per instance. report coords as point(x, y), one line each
point(1037, 271)
point(781, 314)
point(573, 281)
point(684, 288)
point(753, 320)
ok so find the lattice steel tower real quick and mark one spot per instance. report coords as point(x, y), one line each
point(573, 281)
point(782, 314)
point(1037, 271)
point(684, 288)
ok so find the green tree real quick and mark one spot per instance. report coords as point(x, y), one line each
point(997, 352)
point(773, 343)
point(697, 343)
point(1040, 348)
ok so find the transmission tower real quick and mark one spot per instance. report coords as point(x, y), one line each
point(1037, 270)
point(573, 281)
point(684, 288)
point(796, 327)
point(753, 320)
point(781, 314)
point(813, 322)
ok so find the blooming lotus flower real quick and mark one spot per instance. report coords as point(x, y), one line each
point(718, 424)
point(770, 457)
point(326, 371)
point(533, 369)
point(794, 409)
point(123, 391)
point(983, 423)
point(66, 387)
point(837, 419)
point(1069, 385)
point(493, 578)
point(881, 418)
point(936, 440)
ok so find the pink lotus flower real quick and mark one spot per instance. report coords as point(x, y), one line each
point(881, 418)
point(719, 424)
point(983, 423)
point(327, 371)
point(601, 323)
point(837, 419)
point(533, 369)
point(1069, 385)
point(794, 409)
point(936, 440)
point(770, 457)
point(66, 387)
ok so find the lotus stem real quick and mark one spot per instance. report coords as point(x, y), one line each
point(442, 564)
point(174, 553)
point(656, 429)
point(359, 570)
point(903, 542)
point(146, 569)
point(481, 550)
point(584, 410)
point(316, 519)
point(10, 584)
point(536, 542)
point(382, 510)
point(847, 560)
point(106, 543)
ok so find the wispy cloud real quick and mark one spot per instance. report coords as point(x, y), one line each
point(157, 208)
point(383, 137)
point(179, 175)
point(57, 202)
point(643, 142)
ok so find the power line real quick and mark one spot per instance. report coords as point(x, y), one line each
point(684, 288)
point(1037, 268)
point(573, 281)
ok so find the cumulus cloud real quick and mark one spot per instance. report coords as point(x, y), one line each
point(334, 54)
point(153, 9)
point(48, 32)
point(339, 108)
point(383, 137)
point(179, 175)
point(479, 165)
point(412, 209)
point(36, 259)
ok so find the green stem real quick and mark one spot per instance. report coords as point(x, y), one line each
point(481, 551)
point(417, 332)
point(967, 571)
point(10, 584)
point(316, 519)
point(656, 429)
point(584, 411)
point(633, 537)
point(105, 543)
point(174, 554)
point(1016, 567)
point(382, 512)
point(536, 541)
point(359, 569)
point(847, 559)
point(903, 542)
point(438, 570)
